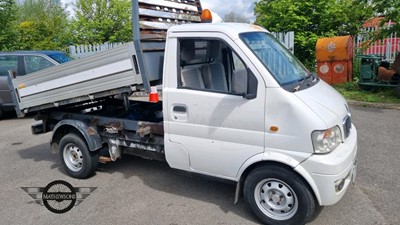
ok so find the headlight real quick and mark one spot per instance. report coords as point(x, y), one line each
point(325, 141)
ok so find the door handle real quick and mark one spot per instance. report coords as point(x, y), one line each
point(179, 109)
point(180, 113)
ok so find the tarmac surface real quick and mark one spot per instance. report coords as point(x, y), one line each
point(137, 191)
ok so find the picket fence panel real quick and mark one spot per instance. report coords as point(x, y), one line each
point(387, 47)
point(80, 51)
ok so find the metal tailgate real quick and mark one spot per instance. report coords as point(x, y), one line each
point(106, 73)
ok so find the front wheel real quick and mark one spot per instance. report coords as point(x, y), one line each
point(77, 160)
point(279, 196)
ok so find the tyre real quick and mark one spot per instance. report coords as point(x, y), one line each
point(1, 113)
point(76, 158)
point(277, 195)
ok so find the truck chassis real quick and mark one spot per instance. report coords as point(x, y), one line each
point(108, 127)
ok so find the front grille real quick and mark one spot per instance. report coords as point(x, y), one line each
point(347, 126)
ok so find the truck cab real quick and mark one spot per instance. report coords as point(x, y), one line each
point(237, 100)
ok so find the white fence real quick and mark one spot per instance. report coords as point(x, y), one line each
point(387, 47)
point(80, 51)
point(287, 39)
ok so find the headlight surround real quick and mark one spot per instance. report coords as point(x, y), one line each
point(325, 141)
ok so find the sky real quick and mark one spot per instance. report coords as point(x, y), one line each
point(221, 7)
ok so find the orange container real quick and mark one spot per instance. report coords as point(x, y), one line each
point(335, 59)
point(334, 49)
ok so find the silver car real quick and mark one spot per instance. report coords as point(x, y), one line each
point(24, 62)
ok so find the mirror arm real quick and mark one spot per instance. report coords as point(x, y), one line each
point(249, 96)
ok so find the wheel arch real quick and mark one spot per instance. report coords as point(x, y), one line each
point(293, 165)
point(87, 133)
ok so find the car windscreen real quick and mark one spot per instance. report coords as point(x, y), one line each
point(60, 57)
point(7, 63)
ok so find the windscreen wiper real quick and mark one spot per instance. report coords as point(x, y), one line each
point(310, 75)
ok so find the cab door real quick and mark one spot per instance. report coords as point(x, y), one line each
point(214, 106)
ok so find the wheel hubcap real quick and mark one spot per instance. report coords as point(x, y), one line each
point(276, 199)
point(73, 157)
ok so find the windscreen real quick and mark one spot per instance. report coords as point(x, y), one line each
point(282, 65)
point(8, 63)
point(60, 58)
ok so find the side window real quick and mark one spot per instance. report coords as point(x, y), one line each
point(193, 54)
point(239, 75)
point(34, 63)
point(8, 63)
point(211, 65)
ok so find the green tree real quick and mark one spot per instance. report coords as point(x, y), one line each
point(235, 17)
point(99, 21)
point(8, 28)
point(390, 9)
point(42, 25)
point(311, 20)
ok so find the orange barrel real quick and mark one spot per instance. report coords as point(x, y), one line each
point(334, 56)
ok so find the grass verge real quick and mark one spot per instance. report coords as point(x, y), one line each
point(352, 91)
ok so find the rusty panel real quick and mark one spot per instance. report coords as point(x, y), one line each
point(187, 5)
point(325, 71)
point(167, 16)
point(339, 72)
point(334, 49)
point(350, 70)
point(335, 72)
point(156, 16)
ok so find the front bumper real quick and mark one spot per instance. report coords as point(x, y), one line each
point(332, 173)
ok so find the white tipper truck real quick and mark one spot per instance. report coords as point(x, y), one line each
point(236, 105)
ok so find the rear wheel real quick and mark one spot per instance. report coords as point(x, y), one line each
point(1, 113)
point(279, 196)
point(77, 160)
